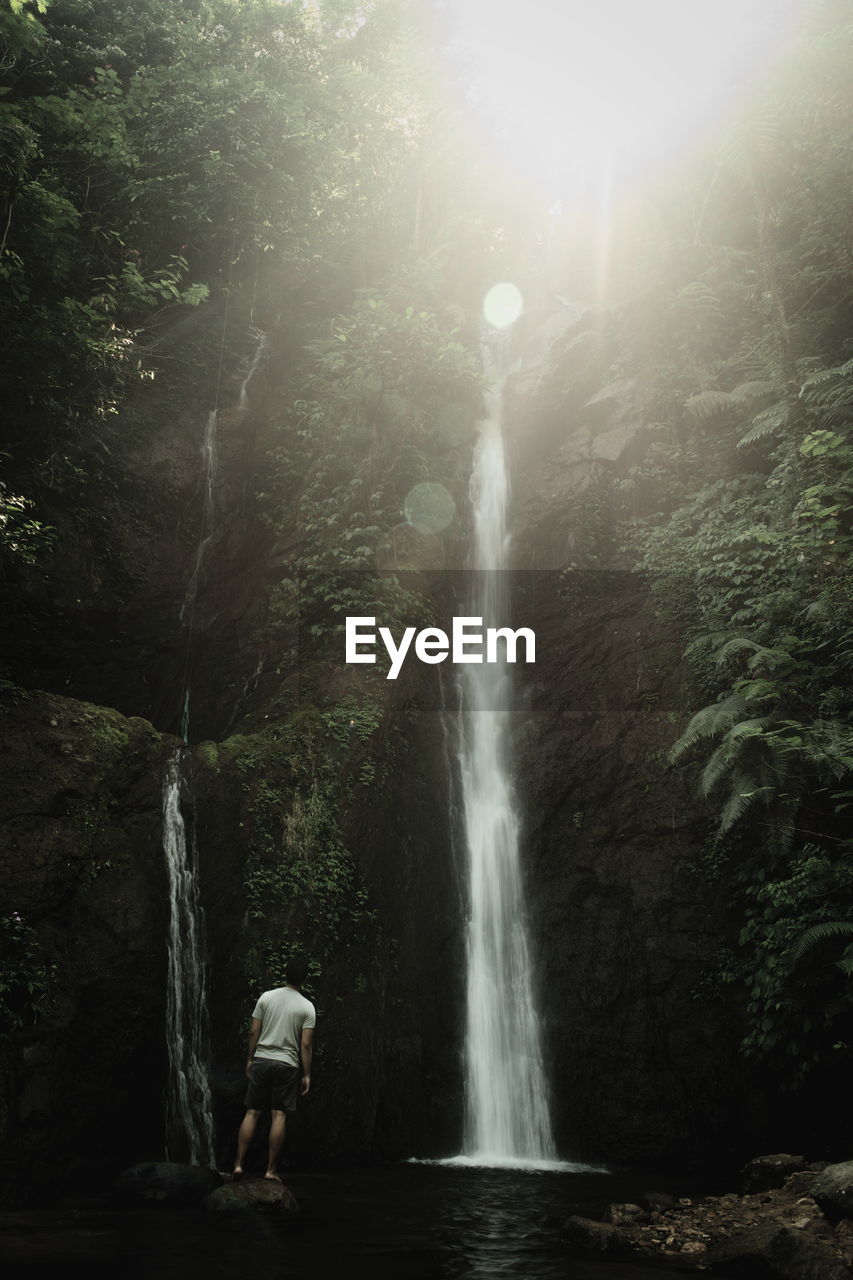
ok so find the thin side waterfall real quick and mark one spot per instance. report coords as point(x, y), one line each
point(507, 1119)
point(189, 1112)
point(257, 356)
point(209, 464)
point(189, 1109)
point(209, 467)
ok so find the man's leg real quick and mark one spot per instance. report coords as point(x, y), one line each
point(276, 1143)
point(244, 1138)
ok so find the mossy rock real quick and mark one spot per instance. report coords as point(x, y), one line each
point(260, 1195)
point(207, 753)
point(167, 1183)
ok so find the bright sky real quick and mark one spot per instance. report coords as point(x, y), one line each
point(566, 85)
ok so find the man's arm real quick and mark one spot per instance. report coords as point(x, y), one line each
point(254, 1036)
point(306, 1049)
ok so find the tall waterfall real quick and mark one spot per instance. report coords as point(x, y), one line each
point(507, 1115)
point(188, 1102)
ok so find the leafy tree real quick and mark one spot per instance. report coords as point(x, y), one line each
point(740, 511)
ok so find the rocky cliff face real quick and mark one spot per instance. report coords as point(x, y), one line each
point(644, 1062)
point(81, 829)
point(85, 969)
point(104, 616)
point(626, 923)
point(322, 816)
point(322, 823)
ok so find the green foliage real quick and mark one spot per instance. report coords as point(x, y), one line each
point(741, 514)
point(155, 155)
point(23, 538)
point(764, 756)
point(352, 718)
point(370, 424)
point(819, 933)
point(26, 975)
point(376, 348)
point(796, 1005)
point(303, 889)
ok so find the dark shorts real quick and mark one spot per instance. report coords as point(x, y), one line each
point(273, 1086)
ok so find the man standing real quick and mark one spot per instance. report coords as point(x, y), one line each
point(279, 1061)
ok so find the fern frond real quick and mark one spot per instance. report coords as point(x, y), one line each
point(819, 933)
point(751, 390)
point(764, 424)
point(752, 728)
point(709, 722)
point(729, 754)
point(706, 403)
point(698, 300)
point(831, 391)
point(704, 642)
point(817, 381)
point(720, 763)
point(735, 807)
point(736, 645)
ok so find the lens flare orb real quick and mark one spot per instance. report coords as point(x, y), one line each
point(429, 508)
point(502, 305)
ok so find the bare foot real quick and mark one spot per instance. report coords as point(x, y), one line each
point(238, 1172)
point(271, 1176)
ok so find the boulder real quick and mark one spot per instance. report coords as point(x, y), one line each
point(167, 1183)
point(765, 1173)
point(833, 1190)
point(588, 1239)
point(625, 1215)
point(782, 1253)
point(611, 445)
point(260, 1195)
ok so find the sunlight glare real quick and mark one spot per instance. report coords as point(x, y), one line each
point(561, 84)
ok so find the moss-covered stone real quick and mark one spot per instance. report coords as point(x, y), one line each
point(81, 860)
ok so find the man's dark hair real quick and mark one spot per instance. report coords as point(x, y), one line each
point(297, 969)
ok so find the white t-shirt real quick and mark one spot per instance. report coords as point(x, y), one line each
point(284, 1014)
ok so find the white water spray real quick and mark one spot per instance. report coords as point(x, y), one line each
point(188, 1102)
point(507, 1118)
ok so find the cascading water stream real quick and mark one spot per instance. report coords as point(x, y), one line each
point(254, 364)
point(189, 1112)
point(507, 1117)
point(189, 1109)
point(209, 465)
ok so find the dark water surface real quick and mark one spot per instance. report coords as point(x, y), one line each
point(409, 1221)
